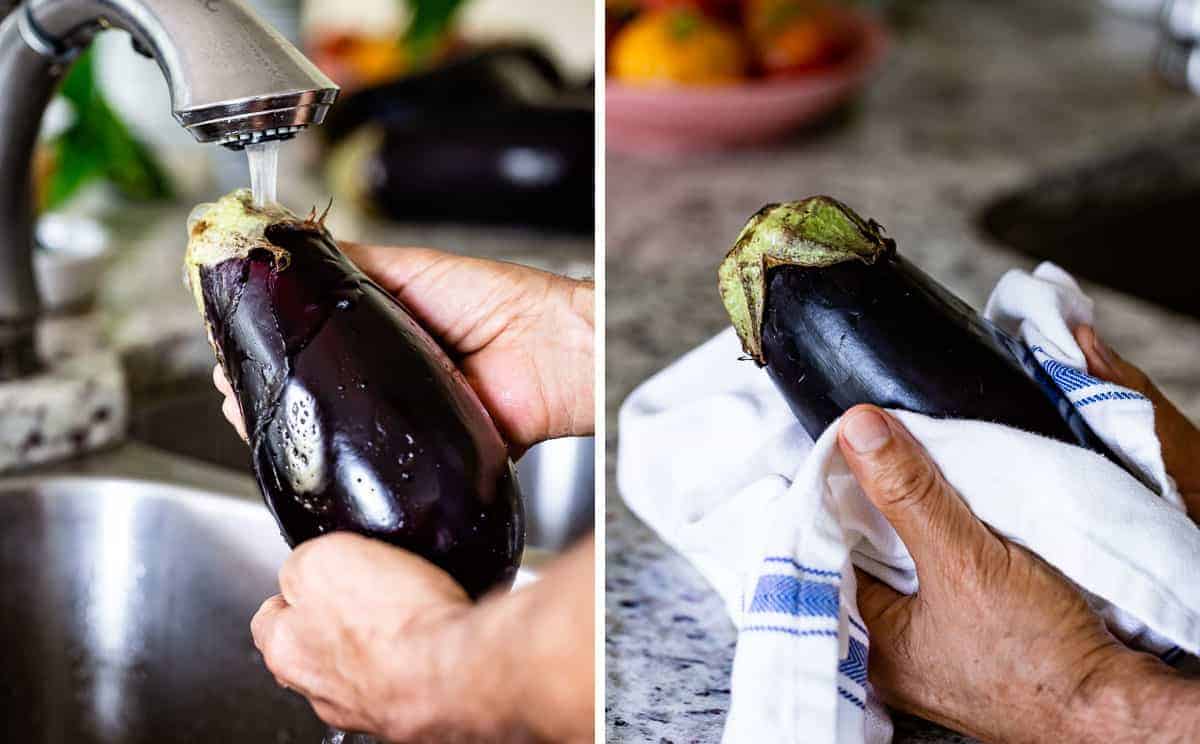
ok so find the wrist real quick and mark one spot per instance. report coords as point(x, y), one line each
point(573, 328)
point(474, 676)
point(456, 677)
point(1133, 696)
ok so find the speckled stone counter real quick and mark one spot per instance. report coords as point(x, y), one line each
point(976, 98)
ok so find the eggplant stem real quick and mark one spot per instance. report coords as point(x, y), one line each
point(812, 233)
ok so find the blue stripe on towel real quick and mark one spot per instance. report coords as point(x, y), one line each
point(1109, 395)
point(854, 665)
point(1071, 380)
point(789, 631)
point(790, 595)
point(1067, 378)
point(801, 567)
point(852, 698)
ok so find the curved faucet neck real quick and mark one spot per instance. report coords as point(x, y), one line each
point(233, 79)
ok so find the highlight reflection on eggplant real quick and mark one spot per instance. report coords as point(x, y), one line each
point(357, 419)
point(821, 297)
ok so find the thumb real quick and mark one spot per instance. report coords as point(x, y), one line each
point(906, 486)
point(1179, 437)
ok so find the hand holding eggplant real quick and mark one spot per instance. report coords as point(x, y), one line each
point(995, 643)
point(522, 337)
point(384, 643)
point(378, 639)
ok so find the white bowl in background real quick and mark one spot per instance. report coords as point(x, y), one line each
point(69, 256)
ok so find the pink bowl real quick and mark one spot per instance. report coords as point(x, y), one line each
point(665, 120)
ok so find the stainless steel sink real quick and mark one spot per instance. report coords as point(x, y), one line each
point(125, 616)
point(1092, 216)
point(128, 580)
point(557, 477)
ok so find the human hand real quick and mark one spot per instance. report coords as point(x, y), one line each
point(995, 642)
point(1179, 437)
point(522, 337)
point(363, 631)
point(383, 642)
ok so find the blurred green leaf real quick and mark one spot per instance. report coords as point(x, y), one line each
point(98, 145)
point(431, 19)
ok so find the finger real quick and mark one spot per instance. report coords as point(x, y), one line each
point(322, 561)
point(466, 302)
point(291, 573)
point(333, 714)
point(1179, 437)
point(280, 643)
point(875, 598)
point(230, 406)
point(907, 487)
point(265, 622)
point(393, 267)
point(233, 414)
point(221, 381)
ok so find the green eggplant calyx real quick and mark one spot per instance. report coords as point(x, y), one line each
point(231, 227)
point(811, 233)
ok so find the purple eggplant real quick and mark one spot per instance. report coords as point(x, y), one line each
point(357, 419)
point(821, 298)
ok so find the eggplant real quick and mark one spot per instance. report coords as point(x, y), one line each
point(512, 164)
point(357, 419)
point(822, 299)
point(473, 81)
point(495, 136)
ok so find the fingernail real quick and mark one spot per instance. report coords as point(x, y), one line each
point(866, 431)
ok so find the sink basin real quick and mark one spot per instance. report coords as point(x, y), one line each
point(125, 615)
point(1123, 220)
point(125, 601)
point(557, 477)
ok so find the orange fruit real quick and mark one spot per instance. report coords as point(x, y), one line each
point(791, 36)
point(680, 46)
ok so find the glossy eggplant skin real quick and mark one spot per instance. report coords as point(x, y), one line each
point(510, 164)
point(357, 419)
point(889, 335)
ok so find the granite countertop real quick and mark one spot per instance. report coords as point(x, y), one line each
point(976, 98)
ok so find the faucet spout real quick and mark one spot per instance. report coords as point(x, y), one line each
point(232, 77)
point(233, 80)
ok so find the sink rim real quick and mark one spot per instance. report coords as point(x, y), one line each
point(178, 492)
point(533, 560)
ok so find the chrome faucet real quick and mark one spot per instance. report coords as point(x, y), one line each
point(233, 80)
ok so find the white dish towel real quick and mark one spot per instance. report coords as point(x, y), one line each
point(712, 459)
